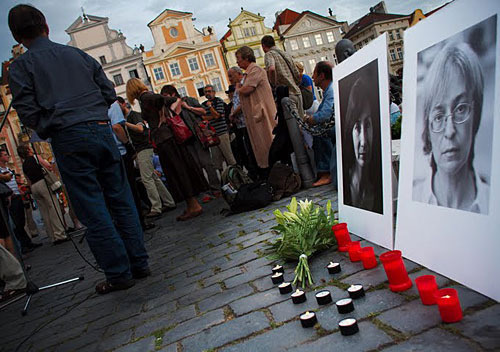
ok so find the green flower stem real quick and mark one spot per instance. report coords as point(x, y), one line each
point(303, 273)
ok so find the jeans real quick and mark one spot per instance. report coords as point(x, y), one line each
point(325, 155)
point(91, 168)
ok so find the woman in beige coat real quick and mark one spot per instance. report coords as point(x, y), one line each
point(258, 106)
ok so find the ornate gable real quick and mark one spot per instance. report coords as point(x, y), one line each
point(89, 21)
point(168, 14)
point(308, 22)
point(246, 16)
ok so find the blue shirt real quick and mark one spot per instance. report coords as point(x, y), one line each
point(325, 109)
point(157, 166)
point(308, 82)
point(55, 86)
point(115, 114)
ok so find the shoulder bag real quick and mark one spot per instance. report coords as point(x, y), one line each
point(52, 181)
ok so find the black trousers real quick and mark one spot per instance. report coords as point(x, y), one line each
point(17, 213)
point(243, 152)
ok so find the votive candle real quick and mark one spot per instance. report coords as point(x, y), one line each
point(427, 287)
point(449, 305)
point(353, 249)
point(368, 259)
point(342, 235)
point(396, 271)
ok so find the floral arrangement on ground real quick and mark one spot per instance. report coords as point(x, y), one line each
point(303, 230)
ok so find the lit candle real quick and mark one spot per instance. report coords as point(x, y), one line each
point(278, 269)
point(449, 305)
point(323, 297)
point(427, 287)
point(333, 268)
point(356, 291)
point(396, 271)
point(368, 257)
point(308, 319)
point(348, 326)
point(345, 305)
point(353, 249)
point(277, 278)
point(285, 287)
point(342, 235)
point(298, 297)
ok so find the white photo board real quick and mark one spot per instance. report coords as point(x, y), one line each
point(449, 184)
point(362, 119)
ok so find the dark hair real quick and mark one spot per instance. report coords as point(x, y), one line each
point(169, 89)
point(23, 151)
point(246, 53)
point(26, 22)
point(120, 100)
point(268, 41)
point(324, 67)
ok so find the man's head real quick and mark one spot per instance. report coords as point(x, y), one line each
point(235, 74)
point(322, 75)
point(230, 91)
point(267, 43)
point(4, 157)
point(209, 92)
point(19, 179)
point(24, 151)
point(27, 23)
point(169, 90)
point(123, 105)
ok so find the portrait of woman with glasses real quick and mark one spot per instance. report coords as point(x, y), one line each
point(452, 98)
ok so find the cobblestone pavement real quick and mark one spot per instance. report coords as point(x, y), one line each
point(211, 291)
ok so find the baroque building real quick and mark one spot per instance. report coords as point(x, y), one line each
point(246, 29)
point(119, 61)
point(183, 56)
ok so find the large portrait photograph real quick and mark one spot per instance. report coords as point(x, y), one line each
point(453, 142)
point(360, 136)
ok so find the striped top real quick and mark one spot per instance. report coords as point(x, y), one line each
point(219, 124)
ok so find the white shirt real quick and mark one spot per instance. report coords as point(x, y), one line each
point(12, 183)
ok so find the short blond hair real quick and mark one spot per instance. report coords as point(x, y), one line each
point(134, 88)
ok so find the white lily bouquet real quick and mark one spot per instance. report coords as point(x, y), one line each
point(303, 232)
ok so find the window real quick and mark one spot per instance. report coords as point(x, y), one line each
point(330, 37)
point(391, 35)
point(335, 59)
point(306, 41)
point(103, 60)
point(398, 34)
point(257, 53)
point(293, 44)
point(174, 32)
point(400, 53)
point(118, 79)
point(193, 64)
point(312, 64)
point(217, 85)
point(158, 72)
point(182, 91)
point(324, 58)
point(318, 39)
point(133, 74)
point(249, 32)
point(209, 60)
point(174, 68)
point(200, 88)
point(393, 55)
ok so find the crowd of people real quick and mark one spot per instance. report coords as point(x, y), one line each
point(123, 168)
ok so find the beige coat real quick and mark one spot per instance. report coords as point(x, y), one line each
point(260, 112)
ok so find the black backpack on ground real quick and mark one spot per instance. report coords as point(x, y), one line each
point(284, 181)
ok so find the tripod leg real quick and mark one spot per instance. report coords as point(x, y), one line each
point(61, 283)
point(25, 309)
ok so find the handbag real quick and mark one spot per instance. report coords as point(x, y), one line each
point(179, 129)
point(206, 134)
point(52, 181)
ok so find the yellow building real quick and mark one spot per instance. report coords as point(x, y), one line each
point(247, 29)
point(183, 56)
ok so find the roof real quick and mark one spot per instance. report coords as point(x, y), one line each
point(169, 10)
point(303, 14)
point(225, 36)
point(285, 17)
point(436, 9)
point(371, 18)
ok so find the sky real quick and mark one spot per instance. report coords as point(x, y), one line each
point(132, 16)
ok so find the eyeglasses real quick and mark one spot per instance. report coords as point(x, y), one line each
point(460, 114)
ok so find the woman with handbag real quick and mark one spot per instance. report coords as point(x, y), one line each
point(168, 133)
point(35, 170)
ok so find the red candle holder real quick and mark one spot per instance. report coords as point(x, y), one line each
point(396, 271)
point(353, 249)
point(427, 287)
point(449, 305)
point(368, 259)
point(342, 235)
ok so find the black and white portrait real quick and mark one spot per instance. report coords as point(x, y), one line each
point(455, 102)
point(360, 138)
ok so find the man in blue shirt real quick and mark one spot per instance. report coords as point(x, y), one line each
point(63, 93)
point(324, 146)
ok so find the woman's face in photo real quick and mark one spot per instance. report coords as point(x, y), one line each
point(451, 137)
point(362, 137)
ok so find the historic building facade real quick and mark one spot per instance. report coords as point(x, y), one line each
point(246, 29)
point(119, 61)
point(185, 57)
point(309, 37)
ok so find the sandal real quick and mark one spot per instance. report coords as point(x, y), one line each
point(186, 216)
point(105, 287)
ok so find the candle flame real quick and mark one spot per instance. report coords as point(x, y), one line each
point(307, 312)
point(447, 296)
